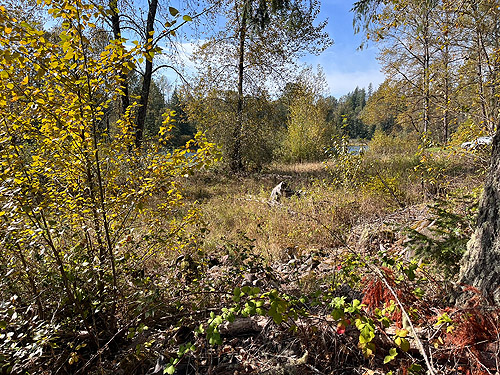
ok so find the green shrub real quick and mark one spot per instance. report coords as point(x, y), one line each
point(78, 224)
point(345, 168)
point(308, 133)
point(386, 144)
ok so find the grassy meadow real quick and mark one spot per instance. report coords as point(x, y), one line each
point(335, 206)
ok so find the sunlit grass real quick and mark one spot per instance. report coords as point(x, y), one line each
point(326, 214)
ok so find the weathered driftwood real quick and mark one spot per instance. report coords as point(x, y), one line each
point(282, 190)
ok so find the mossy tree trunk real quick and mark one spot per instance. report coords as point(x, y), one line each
point(480, 266)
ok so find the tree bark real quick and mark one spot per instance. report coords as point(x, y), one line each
point(427, 74)
point(148, 73)
point(480, 83)
point(480, 266)
point(236, 162)
point(446, 63)
point(115, 22)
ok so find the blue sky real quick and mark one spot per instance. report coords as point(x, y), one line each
point(344, 65)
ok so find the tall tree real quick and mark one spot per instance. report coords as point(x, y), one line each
point(151, 34)
point(475, 25)
point(445, 54)
point(383, 107)
point(259, 42)
point(214, 113)
point(404, 31)
point(155, 109)
point(480, 43)
point(308, 133)
point(480, 266)
point(69, 200)
point(117, 34)
point(183, 129)
point(348, 114)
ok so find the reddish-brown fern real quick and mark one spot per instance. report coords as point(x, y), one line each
point(475, 329)
point(374, 294)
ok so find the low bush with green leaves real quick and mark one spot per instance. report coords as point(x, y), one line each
point(383, 144)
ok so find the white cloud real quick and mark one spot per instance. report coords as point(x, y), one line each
point(186, 51)
point(341, 83)
point(346, 67)
point(183, 52)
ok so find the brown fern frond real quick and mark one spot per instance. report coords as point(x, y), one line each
point(374, 294)
point(473, 328)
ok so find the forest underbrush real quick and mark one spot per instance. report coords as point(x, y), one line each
point(138, 229)
point(354, 274)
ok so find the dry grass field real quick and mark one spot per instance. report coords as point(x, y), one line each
point(333, 204)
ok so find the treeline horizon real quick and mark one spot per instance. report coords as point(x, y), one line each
point(334, 118)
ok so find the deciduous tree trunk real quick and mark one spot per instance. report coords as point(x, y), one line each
point(148, 74)
point(480, 266)
point(117, 34)
point(148, 69)
point(236, 161)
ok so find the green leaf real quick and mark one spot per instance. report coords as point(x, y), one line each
point(401, 332)
point(418, 292)
point(215, 339)
point(415, 369)
point(173, 11)
point(405, 345)
point(392, 354)
point(364, 339)
point(187, 18)
point(230, 317)
point(169, 370)
point(237, 294)
point(337, 314)
point(386, 322)
point(366, 334)
point(369, 349)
